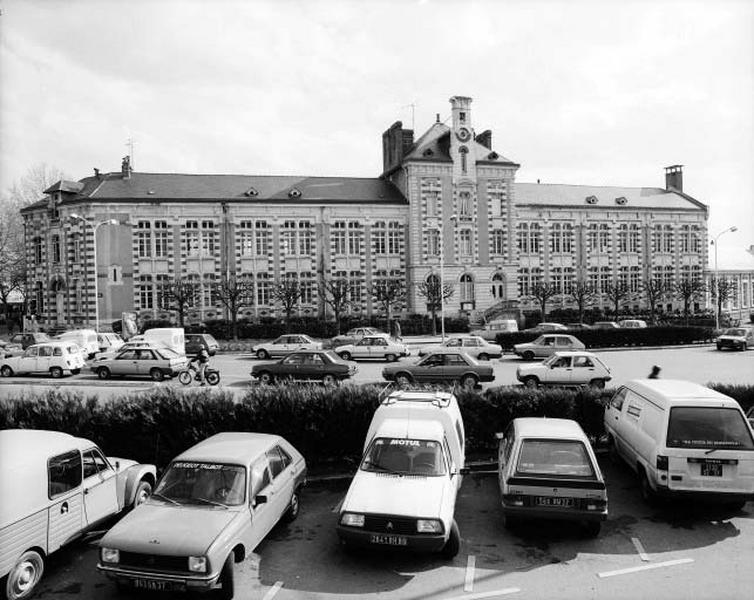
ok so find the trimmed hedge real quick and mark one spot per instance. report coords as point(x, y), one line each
point(325, 424)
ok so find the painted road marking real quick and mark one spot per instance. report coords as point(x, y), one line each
point(491, 594)
point(336, 508)
point(468, 586)
point(640, 549)
point(273, 590)
point(669, 563)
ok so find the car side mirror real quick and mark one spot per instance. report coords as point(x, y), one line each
point(260, 499)
point(117, 465)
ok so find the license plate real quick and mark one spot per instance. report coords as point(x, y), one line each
point(390, 540)
point(558, 502)
point(712, 469)
point(155, 586)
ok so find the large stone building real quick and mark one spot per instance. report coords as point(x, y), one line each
point(446, 206)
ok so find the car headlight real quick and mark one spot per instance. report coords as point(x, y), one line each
point(429, 526)
point(109, 555)
point(352, 520)
point(197, 564)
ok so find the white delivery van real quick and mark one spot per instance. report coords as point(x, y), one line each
point(404, 493)
point(85, 338)
point(171, 337)
point(682, 439)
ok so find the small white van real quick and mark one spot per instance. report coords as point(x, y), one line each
point(404, 493)
point(171, 337)
point(85, 338)
point(682, 439)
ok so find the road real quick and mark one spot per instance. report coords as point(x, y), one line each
point(681, 550)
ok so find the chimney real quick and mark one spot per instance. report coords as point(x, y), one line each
point(396, 142)
point(125, 167)
point(96, 173)
point(674, 178)
point(485, 138)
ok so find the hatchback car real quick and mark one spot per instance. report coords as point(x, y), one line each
point(7, 349)
point(566, 369)
point(144, 361)
point(380, 346)
point(212, 507)
point(284, 345)
point(736, 338)
point(109, 341)
point(547, 345)
point(196, 341)
point(442, 366)
point(605, 325)
point(632, 324)
point(545, 327)
point(548, 470)
point(354, 335)
point(307, 365)
point(54, 358)
point(473, 345)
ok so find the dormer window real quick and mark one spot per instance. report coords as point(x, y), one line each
point(428, 152)
point(621, 201)
point(493, 156)
point(462, 117)
point(294, 193)
point(591, 199)
point(251, 192)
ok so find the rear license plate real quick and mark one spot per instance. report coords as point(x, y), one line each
point(712, 469)
point(155, 586)
point(557, 502)
point(390, 540)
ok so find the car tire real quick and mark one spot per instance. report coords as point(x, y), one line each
point(391, 357)
point(468, 382)
point(403, 380)
point(6, 371)
point(345, 355)
point(597, 384)
point(453, 545)
point(56, 372)
point(156, 374)
point(226, 579)
point(103, 373)
point(592, 528)
point(483, 356)
point(294, 506)
point(24, 575)
point(531, 382)
point(528, 355)
point(143, 492)
point(329, 380)
point(262, 354)
point(266, 378)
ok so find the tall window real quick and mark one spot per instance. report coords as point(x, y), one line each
point(467, 288)
point(196, 286)
point(634, 279)
point(379, 237)
point(146, 296)
point(594, 278)
point(556, 278)
point(162, 284)
point(433, 202)
point(75, 248)
point(161, 239)
point(498, 241)
point(529, 238)
point(264, 289)
point(246, 238)
point(304, 238)
point(144, 239)
point(306, 284)
point(696, 239)
point(623, 239)
point(356, 287)
point(288, 238)
point(354, 238)
point(560, 238)
point(208, 290)
point(606, 277)
point(463, 150)
point(465, 242)
point(261, 238)
point(668, 239)
point(433, 242)
point(192, 238)
point(634, 238)
point(668, 276)
point(38, 250)
point(394, 234)
point(497, 195)
point(56, 248)
point(76, 295)
point(208, 238)
point(464, 204)
point(339, 237)
point(498, 286)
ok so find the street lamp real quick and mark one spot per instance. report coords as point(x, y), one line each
point(95, 227)
point(717, 279)
point(453, 218)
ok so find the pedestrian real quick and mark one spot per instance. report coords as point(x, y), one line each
point(655, 374)
point(397, 330)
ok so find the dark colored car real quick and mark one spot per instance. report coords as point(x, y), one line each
point(8, 349)
point(196, 341)
point(306, 365)
point(443, 366)
point(605, 325)
point(578, 326)
point(27, 339)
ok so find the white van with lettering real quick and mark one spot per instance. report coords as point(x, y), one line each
point(404, 493)
point(682, 439)
point(53, 488)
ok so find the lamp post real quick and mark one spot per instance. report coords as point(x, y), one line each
point(95, 227)
point(717, 280)
point(453, 218)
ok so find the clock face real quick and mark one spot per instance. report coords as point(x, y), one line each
point(463, 134)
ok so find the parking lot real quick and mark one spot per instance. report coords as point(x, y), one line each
point(677, 550)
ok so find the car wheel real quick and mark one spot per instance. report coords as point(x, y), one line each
point(156, 374)
point(24, 575)
point(528, 355)
point(293, 508)
point(345, 355)
point(483, 356)
point(647, 493)
point(226, 579)
point(266, 378)
point(453, 545)
point(592, 528)
point(391, 357)
point(263, 354)
point(403, 380)
point(597, 384)
point(468, 382)
point(6, 371)
point(531, 382)
point(56, 372)
point(143, 492)
point(103, 373)
point(329, 379)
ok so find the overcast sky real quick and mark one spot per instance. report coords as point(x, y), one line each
point(579, 92)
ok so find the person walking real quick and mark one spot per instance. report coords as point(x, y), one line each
point(397, 330)
point(655, 374)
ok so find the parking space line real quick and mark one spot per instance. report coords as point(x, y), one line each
point(640, 549)
point(336, 508)
point(273, 590)
point(468, 585)
point(669, 563)
point(491, 594)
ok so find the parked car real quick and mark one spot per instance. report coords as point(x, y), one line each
point(404, 493)
point(85, 338)
point(53, 488)
point(109, 341)
point(546, 327)
point(548, 470)
point(374, 346)
point(51, 357)
point(212, 507)
point(736, 338)
point(473, 345)
point(284, 345)
point(682, 439)
point(566, 369)
point(129, 345)
point(578, 326)
point(546, 345)
point(442, 366)
point(306, 365)
point(632, 324)
point(171, 337)
point(491, 329)
point(354, 335)
point(196, 341)
point(8, 349)
point(145, 361)
point(605, 325)
point(27, 339)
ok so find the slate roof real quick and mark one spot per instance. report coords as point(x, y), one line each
point(65, 186)
point(434, 146)
point(558, 194)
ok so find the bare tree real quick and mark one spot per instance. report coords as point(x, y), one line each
point(542, 292)
point(654, 291)
point(431, 291)
point(287, 292)
point(617, 292)
point(388, 293)
point(181, 294)
point(233, 293)
point(687, 291)
point(721, 289)
point(337, 295)
point(583, 294)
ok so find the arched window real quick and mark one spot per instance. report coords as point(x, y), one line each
point(498, 287)
point(467, 288)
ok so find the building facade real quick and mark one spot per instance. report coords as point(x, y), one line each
point(446, 207)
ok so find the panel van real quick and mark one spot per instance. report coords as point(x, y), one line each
point(682, 439)
point(171, 337)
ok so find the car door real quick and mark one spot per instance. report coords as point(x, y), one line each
point(584, 370)
point(362, 348)
point(99, 487)
point(280, 346)
point(560, 371)
point(282, 479)
point(44, 359)
point(293, 366)
point(125, 363)
point(430, 368)
point(146, 360)
point(261, 501)
point(546, 348)
point(378, 347)
point(28, 361)
point(65, 516)
point(471, 347)
point(563, 343)
point(454, 366)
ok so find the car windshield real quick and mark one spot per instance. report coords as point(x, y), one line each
point(405, 457)
point(735, 331)
point(713, 428)
point(554, 458)
point(203, 483)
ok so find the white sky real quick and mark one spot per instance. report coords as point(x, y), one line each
point(575, 91)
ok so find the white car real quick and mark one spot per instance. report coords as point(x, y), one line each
point(129, 345)
point(285, 344)
point(566, 369)
point(377, 346)
point(632, 324)
point(473, 345)
point(53, 357)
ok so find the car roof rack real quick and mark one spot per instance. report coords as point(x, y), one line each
point(437, 398)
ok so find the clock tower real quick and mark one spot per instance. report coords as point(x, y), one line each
point(462, 142)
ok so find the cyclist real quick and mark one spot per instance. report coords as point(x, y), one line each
point(200, 362)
